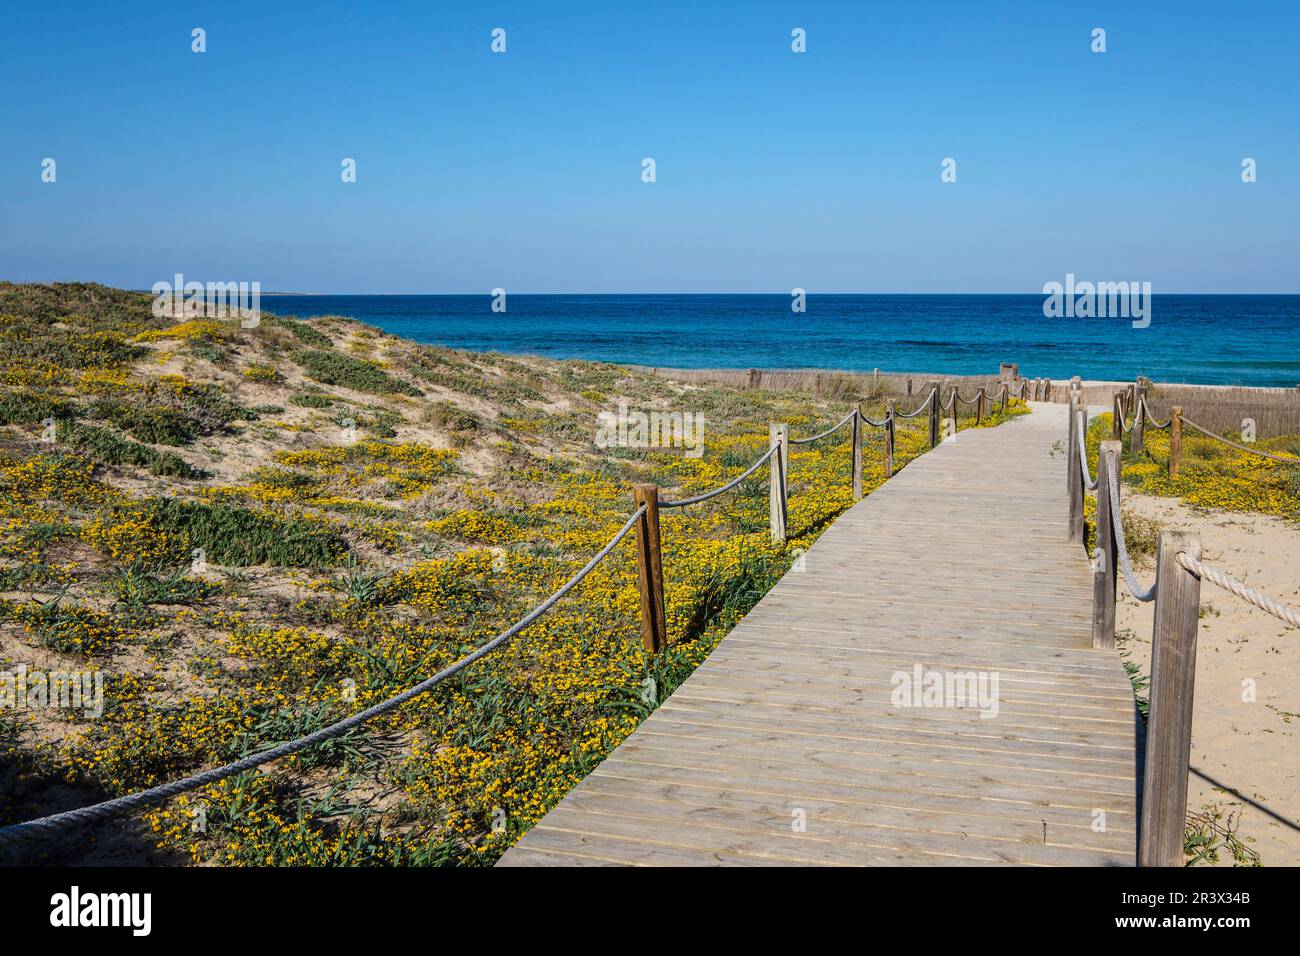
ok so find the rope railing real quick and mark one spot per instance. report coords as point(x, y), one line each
point(1286, 459)
point(982, 393)
point(1124, 424)
point(830, 431)
point(919, 409)
point(1283, 612)
point(1089, 482)
point(43, 826)
point(1117, 527)
point(683, 502)
point(1151, 420)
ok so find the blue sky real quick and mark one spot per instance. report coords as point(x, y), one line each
point(775, 169)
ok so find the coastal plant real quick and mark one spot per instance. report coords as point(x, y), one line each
point(361, 375)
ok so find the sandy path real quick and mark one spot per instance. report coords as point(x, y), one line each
point(1252, 748)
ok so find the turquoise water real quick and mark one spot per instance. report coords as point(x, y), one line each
point(1213, 339)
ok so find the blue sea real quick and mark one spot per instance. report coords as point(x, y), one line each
point(1210, 339)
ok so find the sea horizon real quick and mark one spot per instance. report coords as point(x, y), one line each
point(1244, 339)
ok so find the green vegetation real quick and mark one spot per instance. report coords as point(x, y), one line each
point(112, 449)
point(233, 535)
point(362, 375)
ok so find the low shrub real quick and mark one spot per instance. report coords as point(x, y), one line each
point(233, 535)
point(362, 375)
point(112, 449)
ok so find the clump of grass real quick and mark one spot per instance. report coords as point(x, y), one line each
point(68, 628)
point(363, 587)
point(137, 589)
point(303, 331)
point(31, 408)
point(148, 423)
point(1140, 681)
point(112, 449)
point(362, 375)
point(1141, 534)
point(259, 372)
point(460, 424)
point(233, 535)
point(311, 400)
point(1213, 830)
point(204, 404)
point(208, 351)
point(288, 479)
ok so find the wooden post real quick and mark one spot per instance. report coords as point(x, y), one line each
point(979, 406)
point(909, 386)
point(1104, 565)
point(1117, 417)
point(857, 452)
point(777, 469)
point(889, 440)
point(1175, 440)
point(649, 568)
point(1074, 475)
point(934, 413)
point(1139, 420)
point(1169, 724)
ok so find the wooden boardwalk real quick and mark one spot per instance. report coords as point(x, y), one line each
point(785, 746)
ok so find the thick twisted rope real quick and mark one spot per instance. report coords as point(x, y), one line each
point(1124, 424)
point(876, 424)
point(1288, 615)
point(830, 431)
point(44, 826)
point(1089, 482)
point(923, 406)
point(1287, 459)
point(683, 502)
point(1117, 523)
point(1151, 421)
